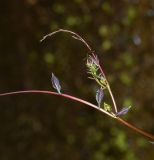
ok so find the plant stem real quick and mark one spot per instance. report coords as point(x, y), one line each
point(112, 97)
point(86, 103)
point(135, 129)
point(62, 95)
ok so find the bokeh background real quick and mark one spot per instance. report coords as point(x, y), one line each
point(46, 127)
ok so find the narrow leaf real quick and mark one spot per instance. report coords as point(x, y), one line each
point(99, 96)
point(123, 111)
point(55, 83)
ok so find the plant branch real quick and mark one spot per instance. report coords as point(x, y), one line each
point(86, 103)
point(61, 95)
point(135, 129)
point(78, 37)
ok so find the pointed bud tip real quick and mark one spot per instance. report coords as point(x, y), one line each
point(123, 111)
point(99, 96)
point(55, 83)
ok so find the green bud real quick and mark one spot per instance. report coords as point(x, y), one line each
point(107, 107)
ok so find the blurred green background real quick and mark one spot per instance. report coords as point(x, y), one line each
point(46, 127)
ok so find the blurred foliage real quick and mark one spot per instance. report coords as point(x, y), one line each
point(48, 127)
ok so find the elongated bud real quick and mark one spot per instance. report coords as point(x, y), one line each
point(99, 96)
point(55, 83)
point(123, 111)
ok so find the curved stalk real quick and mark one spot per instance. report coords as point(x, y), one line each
point(61, 95)
point(137, 130)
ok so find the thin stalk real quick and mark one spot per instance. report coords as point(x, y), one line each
point(112, 97)
point(135, 129)
point(74, 35)
point(141, 132)
point(61, 95)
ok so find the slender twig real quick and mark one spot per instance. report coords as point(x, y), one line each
point(135, 129)
point(75, 36)
point(86, 103)
point(62, 95)
point(112, 97)
point(78, 37)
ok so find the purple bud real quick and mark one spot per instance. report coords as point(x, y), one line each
point(99, 96)
point(123, 111)
point(55, 83)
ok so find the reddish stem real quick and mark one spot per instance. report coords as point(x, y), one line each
point(59, 94)
point(135, 129)
point(84, 102)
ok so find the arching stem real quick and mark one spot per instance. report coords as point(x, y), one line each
point(141, 132)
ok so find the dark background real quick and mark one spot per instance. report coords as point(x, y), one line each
point(47, 127)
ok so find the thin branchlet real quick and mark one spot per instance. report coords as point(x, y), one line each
point(97, 73)
point(93, 56)
point(137, 130)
